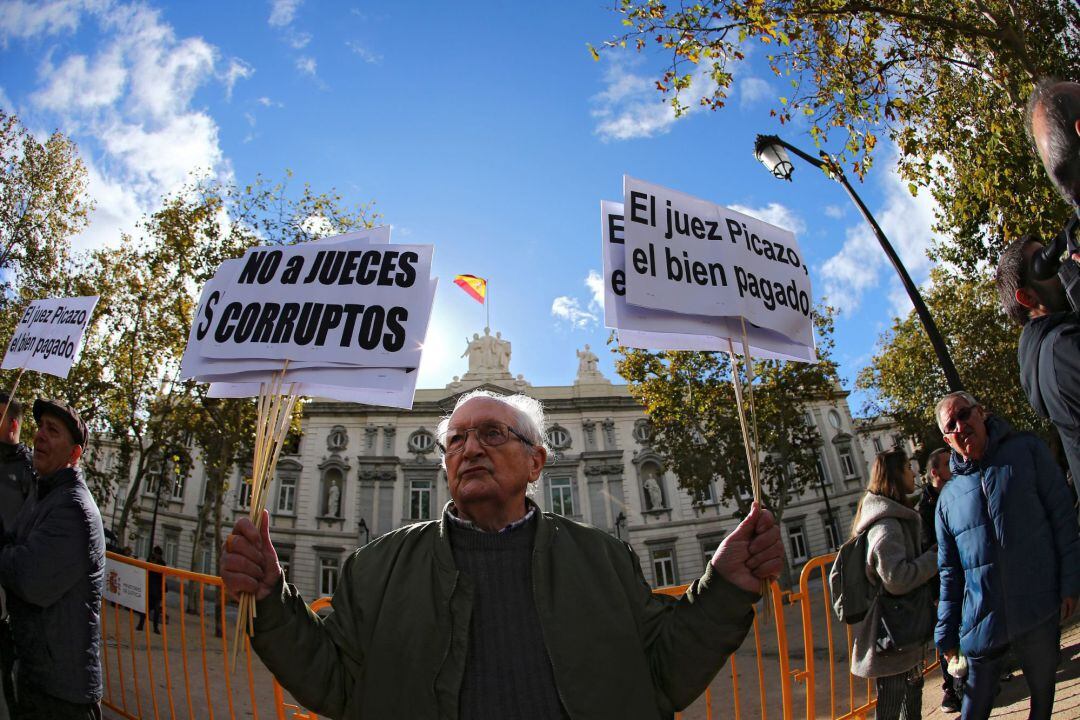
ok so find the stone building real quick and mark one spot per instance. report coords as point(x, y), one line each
point(361, 471)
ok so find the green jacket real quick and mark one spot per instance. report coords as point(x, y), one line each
point(395, 644)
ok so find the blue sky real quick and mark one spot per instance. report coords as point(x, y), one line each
point(485, 129)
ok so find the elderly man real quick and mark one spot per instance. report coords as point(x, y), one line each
point(16, 477)
point(500, 610)
point(52, 566)
point(1008, 554)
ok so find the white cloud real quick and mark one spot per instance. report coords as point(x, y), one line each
point(237, 70)
point(128, 105)
point(19, 19)
point(306, 65)
point(282, 12)
point(858, 267)
point(569, 309)
point(82, 84)
point(630, 105)
point(299, 40)
point(366, 55)
point(595, 283)
point(752, 90)
point(834, 211)
point(775, 214)
point(267, 102)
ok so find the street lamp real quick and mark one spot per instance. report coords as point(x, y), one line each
point(620, 522)
point(772, 152)
point(362, 527)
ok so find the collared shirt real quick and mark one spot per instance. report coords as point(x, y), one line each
point(461, 522)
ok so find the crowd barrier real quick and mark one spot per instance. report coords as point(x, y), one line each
point(184, 672)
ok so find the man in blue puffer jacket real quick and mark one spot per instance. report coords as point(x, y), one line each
point(1008, 554)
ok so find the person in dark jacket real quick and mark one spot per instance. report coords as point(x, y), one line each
point(1049, 349)
point(499, 610)
point(52, 566)
point(16, 479)
point(153, 591)
point(1008, 555)
point(937, 474)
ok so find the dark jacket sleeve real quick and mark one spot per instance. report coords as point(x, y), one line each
point(688, 640)
point(1057, 502)
point(316, 660)
point(52, 559)
point(951, 598)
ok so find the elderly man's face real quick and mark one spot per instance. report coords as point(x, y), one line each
point(54, 448)
point(495, 477)
point(964, 426)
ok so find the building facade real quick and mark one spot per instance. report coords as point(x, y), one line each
point(361, 471)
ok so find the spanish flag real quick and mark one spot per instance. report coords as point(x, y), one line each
point(475, 287)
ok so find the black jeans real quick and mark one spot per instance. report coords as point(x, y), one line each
point(1037, 652)
point(33, 704)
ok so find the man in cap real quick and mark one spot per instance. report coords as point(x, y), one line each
point(52, 566)
point(16, 477)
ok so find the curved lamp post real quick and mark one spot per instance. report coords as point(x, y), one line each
point(771, 151)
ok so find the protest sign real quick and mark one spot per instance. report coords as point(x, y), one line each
point(665, 330)
point(690, 256)
point(362, 305)
point(125, 584)
point(49, 334)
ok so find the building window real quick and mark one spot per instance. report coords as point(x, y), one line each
point(708, 549)
point(153, 478)
point(172, 549)
point(328, 575)
point(705, 495)
point(421, 441)
point(642, 431)
point(822, 471)
point(797, 541)
point(847, 464)
point(243, 494)
point(834, 419)
point(561, 500)
point(205, 563)
point(558, 438)
point(286, 499)
point(663, 562)
point(832, 534)
point(284, 559)
point(420, 500)
point(179, 481)
point(877, 445)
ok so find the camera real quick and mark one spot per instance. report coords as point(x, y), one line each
point(1049, 260)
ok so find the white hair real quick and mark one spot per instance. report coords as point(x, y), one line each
point(965, 396)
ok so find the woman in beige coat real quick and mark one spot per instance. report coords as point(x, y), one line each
point(894, 563)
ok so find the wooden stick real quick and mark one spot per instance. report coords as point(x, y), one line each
point(753, 413)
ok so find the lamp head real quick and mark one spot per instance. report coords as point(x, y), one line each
point(770, 152)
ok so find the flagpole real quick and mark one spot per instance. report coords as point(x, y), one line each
point(487, 302)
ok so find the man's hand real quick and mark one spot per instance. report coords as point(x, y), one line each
point(752, 552)
point(249, 563)
point(1068, 606)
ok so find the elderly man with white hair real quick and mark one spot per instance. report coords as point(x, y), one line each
point(500, 610)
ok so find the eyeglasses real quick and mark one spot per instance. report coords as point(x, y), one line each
point(488, 434)
point(961, 417)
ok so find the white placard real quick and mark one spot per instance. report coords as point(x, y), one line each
point(664, 330)
point(49, 335)
point(125, 584)
point(399, 398)
point(339, 304)
point(691, 256)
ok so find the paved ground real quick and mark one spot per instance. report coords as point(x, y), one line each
point(248, 693)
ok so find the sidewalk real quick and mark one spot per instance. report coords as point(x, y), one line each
point(1012, 703)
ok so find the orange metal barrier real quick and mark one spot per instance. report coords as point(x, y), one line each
point(184, 674)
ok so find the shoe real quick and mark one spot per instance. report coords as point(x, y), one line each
point(950, 703)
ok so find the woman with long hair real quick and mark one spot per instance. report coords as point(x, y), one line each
point(896, 564)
